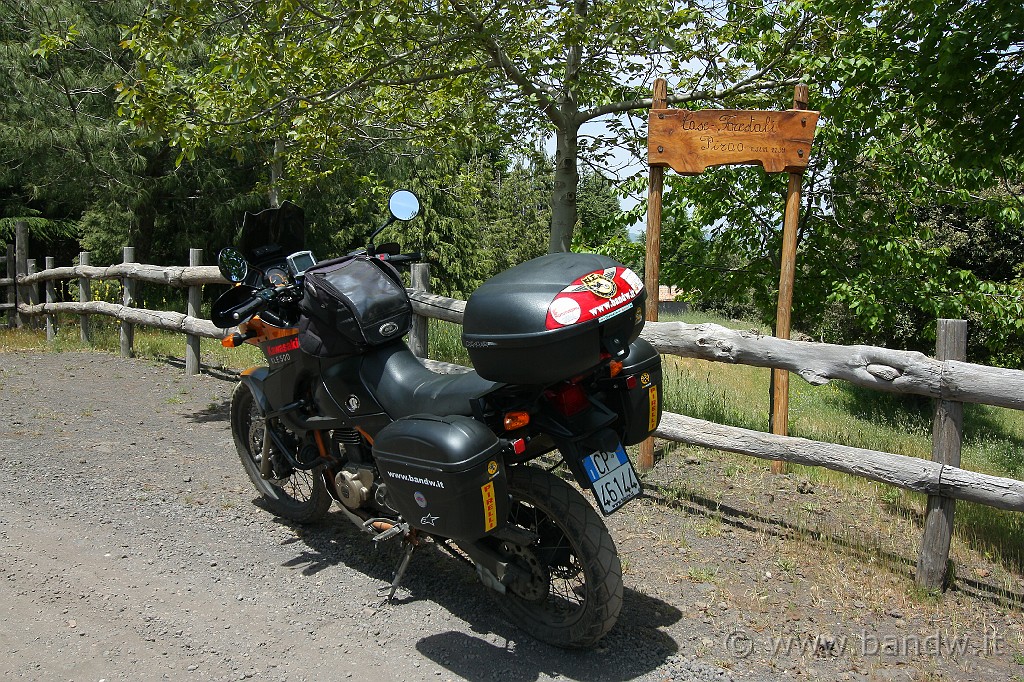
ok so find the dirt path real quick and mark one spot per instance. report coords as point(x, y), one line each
point(131, 548)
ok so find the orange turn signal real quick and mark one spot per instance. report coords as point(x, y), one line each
point(516, 420)
point(615, 367)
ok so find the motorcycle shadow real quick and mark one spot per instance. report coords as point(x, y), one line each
point(496, 648)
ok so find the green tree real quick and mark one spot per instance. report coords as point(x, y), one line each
point(598, 212)
point(514, 212)
point(602, 227)
point(903, 162)
point(57, 143)
point(73, 169)
point(314, 73)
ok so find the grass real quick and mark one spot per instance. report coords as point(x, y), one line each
point(838, 412)
point(445, 343)
point(149, 343)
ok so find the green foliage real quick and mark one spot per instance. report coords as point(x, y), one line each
point(436, 76)
point(72, 171)
point(598, 215)
point(602, 225)
point(514, 213)
point(901, 181)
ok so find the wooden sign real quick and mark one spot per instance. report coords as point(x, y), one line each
point(691, 141)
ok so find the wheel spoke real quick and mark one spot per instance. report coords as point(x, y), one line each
point(573, 590)
point(299, 495)
point(567, 588)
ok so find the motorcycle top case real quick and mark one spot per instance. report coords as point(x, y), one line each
point(351, 304)
point(551, 318)
point(444, 475)
point(635, 393)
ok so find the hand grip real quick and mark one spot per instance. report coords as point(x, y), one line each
point(248, 309)
point(400, 258)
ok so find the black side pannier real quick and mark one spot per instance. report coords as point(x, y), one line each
point(444, 475)
point(351, 304)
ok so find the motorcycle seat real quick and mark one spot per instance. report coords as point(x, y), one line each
point(403, 386)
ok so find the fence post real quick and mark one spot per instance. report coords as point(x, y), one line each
point(21, 267)
point(652, 259)
point(12, 299)
point(947, 437)
point(195, 301)
point(51, 297)
point(33, 289)
point(84, 296)
point(418, 334)
point(128, 300)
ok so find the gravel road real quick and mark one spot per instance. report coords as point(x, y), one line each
point(133, 547)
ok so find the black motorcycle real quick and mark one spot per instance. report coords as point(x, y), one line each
point(344, 412)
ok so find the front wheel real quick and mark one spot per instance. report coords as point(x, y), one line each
point(573, 594)
point(301, 496)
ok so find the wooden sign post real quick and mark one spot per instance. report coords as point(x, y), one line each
point(652, 260)
point(787, 271)
point(690, 142)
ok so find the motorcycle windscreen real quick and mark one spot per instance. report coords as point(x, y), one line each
point(273, 232)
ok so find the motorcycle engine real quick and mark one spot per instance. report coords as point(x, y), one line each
point(355, 486)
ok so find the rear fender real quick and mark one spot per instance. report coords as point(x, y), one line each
point(579, 435)
point(575, 449)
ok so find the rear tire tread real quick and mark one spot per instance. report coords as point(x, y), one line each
point(596, 552)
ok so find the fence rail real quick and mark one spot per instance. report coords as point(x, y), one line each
point(174, 275)
point(193, 277)
point(869, 366)
point(893, 371)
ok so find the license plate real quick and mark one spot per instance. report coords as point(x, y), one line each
point(612, 479)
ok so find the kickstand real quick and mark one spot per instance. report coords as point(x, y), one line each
point(410, 547)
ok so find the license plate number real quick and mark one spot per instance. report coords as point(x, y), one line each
point(612, 479)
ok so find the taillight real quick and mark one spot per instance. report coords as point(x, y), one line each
point(569, 399)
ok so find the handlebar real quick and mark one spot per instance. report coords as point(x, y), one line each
point(401, 258)
point(250, 308)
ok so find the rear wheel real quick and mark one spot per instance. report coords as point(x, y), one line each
point(573, 594)
point(299, 496)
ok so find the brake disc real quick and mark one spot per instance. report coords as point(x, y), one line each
point(534, 587)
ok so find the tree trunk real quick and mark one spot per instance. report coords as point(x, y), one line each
point(563, 196)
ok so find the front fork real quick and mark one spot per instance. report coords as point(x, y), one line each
point(266, 470)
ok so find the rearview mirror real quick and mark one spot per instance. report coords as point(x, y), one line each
point(404, 205)
point(232, 264)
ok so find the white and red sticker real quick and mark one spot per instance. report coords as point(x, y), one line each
point(595, 295)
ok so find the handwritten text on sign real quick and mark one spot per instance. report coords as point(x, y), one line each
point(692, 141)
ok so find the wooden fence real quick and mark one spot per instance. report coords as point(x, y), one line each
point(193, 277)
point(950, 380)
